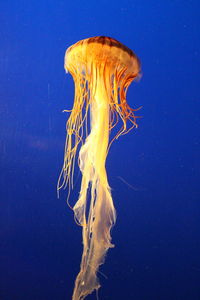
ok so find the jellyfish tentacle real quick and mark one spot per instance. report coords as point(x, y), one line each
point(101, 216)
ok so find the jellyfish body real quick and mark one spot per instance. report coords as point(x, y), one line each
point(102, 69)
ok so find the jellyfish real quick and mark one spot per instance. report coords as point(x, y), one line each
point(102, 69)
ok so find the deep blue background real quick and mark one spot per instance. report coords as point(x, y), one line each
point(157, 234)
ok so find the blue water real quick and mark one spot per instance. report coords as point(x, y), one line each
point(157, 234)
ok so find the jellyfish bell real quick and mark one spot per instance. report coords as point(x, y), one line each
point(97, 50)
point(102, 69)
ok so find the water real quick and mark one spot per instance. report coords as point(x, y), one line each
point(153, 171)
